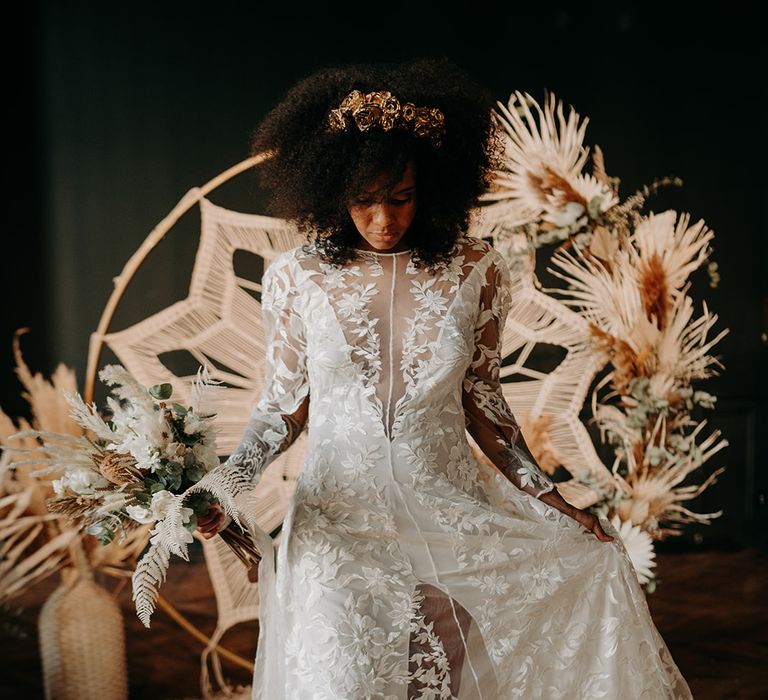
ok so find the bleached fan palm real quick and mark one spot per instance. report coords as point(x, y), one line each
point(665, 251)
point(682, 349)
point(649, 493)
point(637, 304)
point(682, 248)
point(641, 317)
point(541, 178)
point(606, 296)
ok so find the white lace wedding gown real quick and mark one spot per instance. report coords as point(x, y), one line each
point(408, 569)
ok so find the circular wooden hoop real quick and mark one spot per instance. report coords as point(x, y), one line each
point(122, 280)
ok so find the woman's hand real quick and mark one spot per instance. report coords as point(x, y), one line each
point(213, 521)
point(592, 523)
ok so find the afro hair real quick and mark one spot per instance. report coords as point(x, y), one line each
point(312, 173)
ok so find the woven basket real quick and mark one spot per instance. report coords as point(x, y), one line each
point(82, 641)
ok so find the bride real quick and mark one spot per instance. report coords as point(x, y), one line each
point(408, 568)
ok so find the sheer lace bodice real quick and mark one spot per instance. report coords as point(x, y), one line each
point(403, 341)
point(408, 568)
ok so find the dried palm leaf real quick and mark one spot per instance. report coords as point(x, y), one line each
point(27, 554)
point(542, 166)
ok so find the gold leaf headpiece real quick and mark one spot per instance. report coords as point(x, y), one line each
point(382, 109)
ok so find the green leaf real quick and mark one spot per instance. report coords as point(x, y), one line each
point(154, 485)
point(195, 473)
point(593, 206)
point(103, 533)
point(143, 498)
point(161, 391)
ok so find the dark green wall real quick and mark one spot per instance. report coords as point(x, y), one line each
point(117, 111)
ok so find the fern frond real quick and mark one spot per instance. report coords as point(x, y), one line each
point(224, 484)
point(150, 573)
point(171, 530)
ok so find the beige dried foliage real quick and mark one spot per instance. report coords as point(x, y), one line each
point(28, 553)
point(598, 166)
point(50, 408)
point(50, 411)
point(603, 246)
point(555, 188)
point(648, 501)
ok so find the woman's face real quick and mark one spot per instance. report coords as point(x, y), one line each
point(382, 220)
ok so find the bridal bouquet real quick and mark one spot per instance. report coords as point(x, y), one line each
point(138, 470)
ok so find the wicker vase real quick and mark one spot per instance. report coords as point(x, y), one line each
point(82, 641)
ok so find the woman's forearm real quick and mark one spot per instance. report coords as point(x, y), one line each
point(552, 497)
point(555, 499)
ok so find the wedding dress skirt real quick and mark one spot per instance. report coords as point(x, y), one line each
point(407, 568)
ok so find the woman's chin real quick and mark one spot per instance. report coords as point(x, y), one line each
point(385, 243)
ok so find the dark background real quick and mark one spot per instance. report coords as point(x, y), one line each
point(115, 112)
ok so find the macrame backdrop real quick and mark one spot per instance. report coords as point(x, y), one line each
point(219, 324)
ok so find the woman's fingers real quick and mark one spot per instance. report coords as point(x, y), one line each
point(208, 518)
point(213, 528)
point(601, 534)
point(592, 523)
point(209, 524)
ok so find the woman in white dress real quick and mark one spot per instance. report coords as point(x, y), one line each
point(407, 568)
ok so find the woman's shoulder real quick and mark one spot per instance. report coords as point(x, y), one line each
point(283, 265)
point(286, 258)
point(474, 242)
point(476, 249)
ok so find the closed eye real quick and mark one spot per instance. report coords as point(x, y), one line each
point(394, 200)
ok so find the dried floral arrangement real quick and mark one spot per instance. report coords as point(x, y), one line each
point(137, 467)
point(34, 542)
point(626, 274)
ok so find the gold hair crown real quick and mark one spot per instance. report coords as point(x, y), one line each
point(384, 110)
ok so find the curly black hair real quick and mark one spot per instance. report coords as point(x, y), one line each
point(313, 173)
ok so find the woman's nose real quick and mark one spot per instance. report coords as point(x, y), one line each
point(381, 216)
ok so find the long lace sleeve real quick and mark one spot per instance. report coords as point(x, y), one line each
point(489, 419)
point(279, 415)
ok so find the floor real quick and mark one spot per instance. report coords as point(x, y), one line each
point(710, 607)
